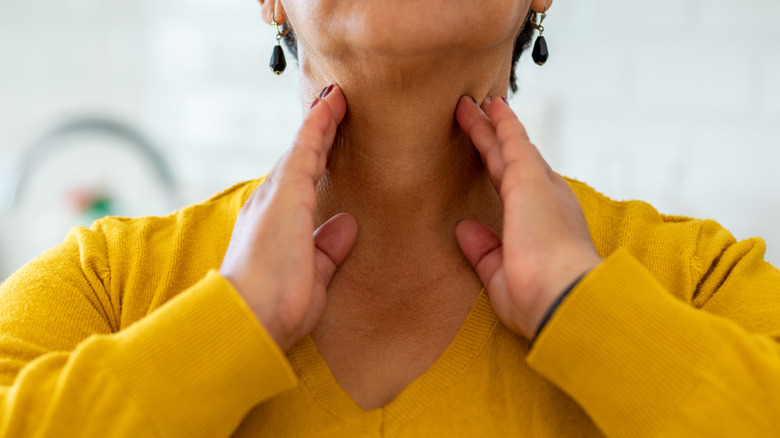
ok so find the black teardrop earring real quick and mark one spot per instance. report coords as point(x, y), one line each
point(540, 52)
point(278, 63)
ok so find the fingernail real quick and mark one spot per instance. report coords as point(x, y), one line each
point(316, 101)
point(322, 92)
point(489, 99)
point(325, 91)
point(504, 99)
point(475, 101)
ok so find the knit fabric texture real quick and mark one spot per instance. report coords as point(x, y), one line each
point(127, 329)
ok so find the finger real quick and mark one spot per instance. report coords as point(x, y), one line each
point(484, 251)
point(337, 102)
point(332, 241)
point(516, 147)
point(332, 96)
point(315, 137)
point(482, 133)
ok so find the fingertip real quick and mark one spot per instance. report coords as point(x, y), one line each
point(462, 110)
point(481, 247)
point(336, 236)
point(463, 225)
point(467, 112)
point(486, 103)
point(468, 229)
point(475, 239)
point(336, 101)
point(501, 107)
point(326, 112)
point(466, 101)
point(462, 232)
point(347, 223)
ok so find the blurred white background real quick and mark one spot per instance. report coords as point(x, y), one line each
point(675, 102)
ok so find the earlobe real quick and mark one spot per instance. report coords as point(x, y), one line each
point(273, 10)
point(280, 15)
point(540, 6)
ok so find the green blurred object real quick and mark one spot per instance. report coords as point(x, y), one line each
point(91, 205)
point(101, 206)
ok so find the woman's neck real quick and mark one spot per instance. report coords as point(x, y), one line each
point(401, 164)
point(401, 158)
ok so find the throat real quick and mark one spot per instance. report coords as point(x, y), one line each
point(408, 174)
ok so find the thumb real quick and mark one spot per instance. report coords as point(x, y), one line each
point(484, 250)
point(332, 242)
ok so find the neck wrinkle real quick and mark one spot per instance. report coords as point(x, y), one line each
point(400, 163)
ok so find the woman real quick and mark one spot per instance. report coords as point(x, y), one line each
point(235, 316)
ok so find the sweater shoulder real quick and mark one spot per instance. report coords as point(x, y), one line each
point(692, 258)
point(665, 244)
point(595, 201)
point(228, 200)
point(154, 258)
point(211, 216)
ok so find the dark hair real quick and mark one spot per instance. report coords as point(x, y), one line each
point(522, 41)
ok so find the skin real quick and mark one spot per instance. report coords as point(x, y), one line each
point(418, 195)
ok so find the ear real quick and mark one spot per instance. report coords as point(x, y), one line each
point(273, 10)
point(540, 5)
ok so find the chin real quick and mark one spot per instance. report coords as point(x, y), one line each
point(404, 28)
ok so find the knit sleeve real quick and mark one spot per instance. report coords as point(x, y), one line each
point(642, 362)
point(193, 367)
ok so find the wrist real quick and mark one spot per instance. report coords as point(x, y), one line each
point(273, 318)
point(275, 329)
point(553, 307)
point(538, 311)
point(547, 303)
point(267, 314)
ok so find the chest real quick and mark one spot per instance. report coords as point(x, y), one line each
point(375, 349)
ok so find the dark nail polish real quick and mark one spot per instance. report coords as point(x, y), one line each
point(504, 99)
point(322, 92)
point(316, 101)
point(475, 101)
point(326, 91)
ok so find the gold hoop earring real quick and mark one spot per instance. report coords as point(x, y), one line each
point(278, 63)
point(540, 52)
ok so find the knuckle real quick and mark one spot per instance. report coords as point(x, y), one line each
point(512, 132)
point(510, 188)
point(503, 126)
point(515, 168)
point(304, 141)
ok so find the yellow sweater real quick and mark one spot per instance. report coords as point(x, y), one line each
point(126, 329)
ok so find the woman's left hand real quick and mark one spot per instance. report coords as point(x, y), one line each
point(546, 244)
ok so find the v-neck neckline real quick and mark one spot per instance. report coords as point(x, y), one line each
point(424, 390)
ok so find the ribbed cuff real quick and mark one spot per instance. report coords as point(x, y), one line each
point(626, 349)
point(199, 363)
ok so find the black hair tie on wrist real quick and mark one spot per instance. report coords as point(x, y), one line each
point(556, 304)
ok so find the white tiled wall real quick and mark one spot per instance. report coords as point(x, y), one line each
point(676, 102)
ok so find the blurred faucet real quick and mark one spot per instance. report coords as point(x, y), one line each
point(48, 143)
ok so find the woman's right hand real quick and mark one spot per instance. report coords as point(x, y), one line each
point(275, 259)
